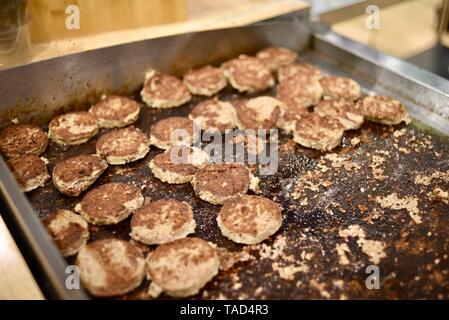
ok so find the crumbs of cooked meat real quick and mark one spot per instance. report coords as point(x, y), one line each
point(374, 249)
point(394, 202)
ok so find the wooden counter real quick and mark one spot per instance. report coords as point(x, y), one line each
point(201, 15)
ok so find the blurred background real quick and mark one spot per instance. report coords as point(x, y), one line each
point(32, 30)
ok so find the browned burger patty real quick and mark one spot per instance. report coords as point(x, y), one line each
point(340, 87)
point(350, 116)
point(299, 70)
point(252, 144)
point(181, 268)
point(275, 57)
point(120, 146)
point(290, 115)
point(258, 113)
point(110, 203)
point(247, 74)
point(321, 133)
point(178, 164)
point(161, 131)
point(21, 139)
point(213, 114)
point(74, 175)
point(382, 109)
point(249, 219)
point(299, 92)
point(205, 81)
point(161, 90)
point(110, 267)
point(73, 128)
point(69, 231)
point(29, 170)
point(162, 221)
point(115, 111)
point(216, 183)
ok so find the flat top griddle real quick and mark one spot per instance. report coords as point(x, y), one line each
point(321, 194)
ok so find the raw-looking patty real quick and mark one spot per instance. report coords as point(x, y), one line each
point(110, 267)
point(181, 268)
point(248, 74)
point(213, 114)
point(110, 203)
point(344, 110)
point(178, 164)
point(161, 90)
point(249, 219)
point(115, 111)
point(162, 221)
point(21, 139)
point(382, 109)
point(321, 133)
point(259, 113)
point(29, 170)
point(340, 87)
point(161, 131)
point(275, 57)
point(299, 70)
point(72, 128)
point(216, 183)
point(75, 174)
point(120, 146)
point(299, 92)
point(68, 230)
point(205, 81)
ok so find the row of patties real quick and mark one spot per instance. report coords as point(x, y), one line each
point(316, 108)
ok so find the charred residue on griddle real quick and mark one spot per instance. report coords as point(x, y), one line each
point(301, 260)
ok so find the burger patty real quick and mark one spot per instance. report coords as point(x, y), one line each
point(299, 92)
point(182, 128)
point(72, 128)
point(30, 171)
point(68, 230)
point(320, 133)
point(214, 115)
point(178, 164)
point(182, 267)
point(381, 109)
point(275, 57)
point(115, 111)
point(340, 87)
point(301, 71)
point(216, 183)
point(75, 174)
point(120, 146)
point(21, 139)
point(110, 267)
point(163, 91)
point(259, 113)
point(162, 221)
point(205, 81)
point(110, 203)
point(350, 116)
point(247, 74)
point(249, 219)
